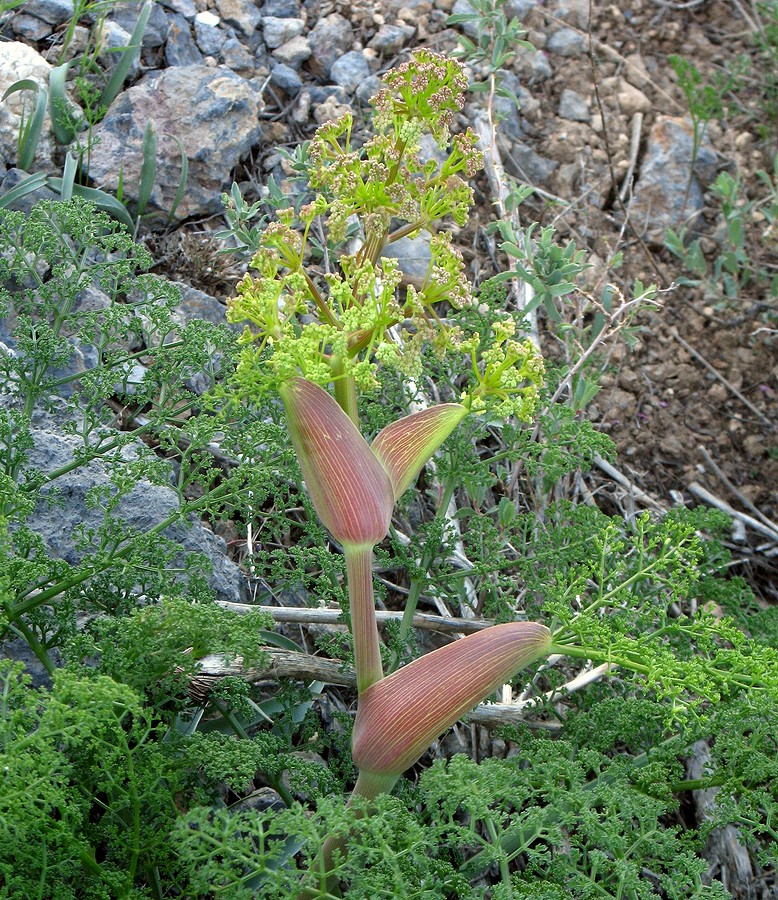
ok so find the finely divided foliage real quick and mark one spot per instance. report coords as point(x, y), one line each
point(127, 778)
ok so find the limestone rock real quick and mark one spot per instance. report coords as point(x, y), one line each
point(665, 196)
point(213, 112)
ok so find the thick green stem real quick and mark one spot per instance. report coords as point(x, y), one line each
point(345, 391)
point(367, 652)
point(368, 786)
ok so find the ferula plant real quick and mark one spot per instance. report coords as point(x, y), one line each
point(328, 317)
point(307, 336)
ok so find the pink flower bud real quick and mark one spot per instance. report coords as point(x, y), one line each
point(401, 715)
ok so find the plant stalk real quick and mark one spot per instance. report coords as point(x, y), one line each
point(367, 652)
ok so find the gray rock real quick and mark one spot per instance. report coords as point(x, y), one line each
point(29, 28)
point(144, 507)
point(285, 78)
point(573, 106)
point(331, 38)
point(197, 306)
point(185, 8)
point(213, 113)
point(125, 15)
point(540, 68)
point(320, 94)
point(505, 107)
point(576, 12)
point(350, 70)
point(114, 38)
point(368, 89)
point(390, 39)
point(241, 14)
point(519, 9)
point(523, 162)
point(566, 42)
point(413, 254)
point(661, 199)
point(180, 47)
point(283, 9)
point(54, 12)
point(277, 31)
point(236, 57)
point(293, 53)
point(209, 36)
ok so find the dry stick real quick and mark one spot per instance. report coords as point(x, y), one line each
point(634, 148)
point(699, 491)
point(744, 400)
point(498, 181)
point(334, 616)
point(633, 489)
point(741, 496)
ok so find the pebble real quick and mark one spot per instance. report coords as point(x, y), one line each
point(350, 70)
point(661, 199)
point(277, 31)
point(236, 57)
point(632, 100)
point(114, 38)
point(293, 53)
point(464, 8)
point(185, 8)
point(576, 12)
point(573, 106)
point(53, 12)
point(368, 89)
point(330, 38)
point(30, 29)
point(390, 39)
point(282, 9)
point(285, 78)
point(519, 9)
point(241, 14)
point(413, 254)
point(180, 47)
point(566, 42)
point(156, 27)
point(210, 39)
point(529, 165)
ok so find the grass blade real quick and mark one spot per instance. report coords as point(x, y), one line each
point(64, 123)
point(128, 57)
point(69, 175)
point(181, 182)
point(31, 128)
point(26, 186)
point(148, 169)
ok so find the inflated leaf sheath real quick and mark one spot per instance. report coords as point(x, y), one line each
point(405, 445)
point(349, 487)
point(401, 715)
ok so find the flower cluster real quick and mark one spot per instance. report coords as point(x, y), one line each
point(341, 324)
point(428, 88)
point(508, 374)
